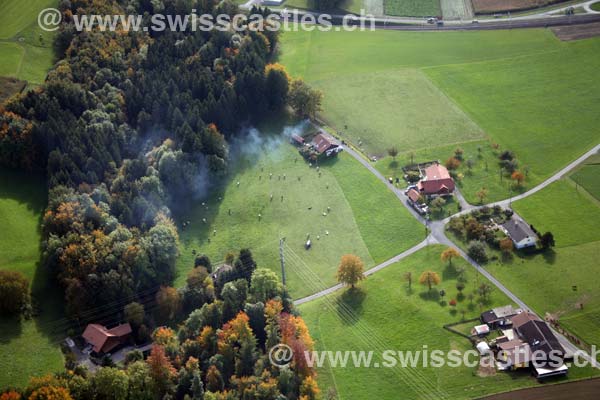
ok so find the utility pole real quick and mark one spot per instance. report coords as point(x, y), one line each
point(282, 259)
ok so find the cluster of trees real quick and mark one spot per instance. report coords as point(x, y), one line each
point(219, 352)
point(126, 123)
point(14, 293)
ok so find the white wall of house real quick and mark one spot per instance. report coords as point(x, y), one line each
point(527, 242)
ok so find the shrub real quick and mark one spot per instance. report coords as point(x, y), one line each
point(14, 292)
point(452, 163)
point(477, 252)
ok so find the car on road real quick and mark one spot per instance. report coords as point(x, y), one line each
point(431, 20)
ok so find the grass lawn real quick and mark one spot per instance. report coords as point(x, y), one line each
point(595, 6)
point(495, 78)
point(28, 347)
point(385, 315)
point(570, 215)
point(503, 98)
point(10, 57)
point(560, 281)
point(588, 176)
point(406, 126)
point(25, 49)
point(412, 8)
point(365, 218)
point(16, 15)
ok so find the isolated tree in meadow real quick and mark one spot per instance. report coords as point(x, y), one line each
point(408, 277)
point(350, 270)
point(518, 177)
point(393, 152)
point(449, 254)
point(484, 290)
point(460, 286)
point(429, 279)
point(482, 195)
point(470, 163)
point(14, 292)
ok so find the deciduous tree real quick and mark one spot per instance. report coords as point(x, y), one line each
point(429, 279)
point(350, 271)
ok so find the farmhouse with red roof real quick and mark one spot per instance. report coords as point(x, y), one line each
point(104, 340)
point(436, 181)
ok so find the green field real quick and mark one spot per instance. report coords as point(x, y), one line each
point(558, 282)
point(31, 344)
point(365, 218)
point(408, 90)
point(587, 176)
point(412, 8)
point(25, 49)
point(495, 78)
point(595, 6)
point(386, 316)
point(570, 215)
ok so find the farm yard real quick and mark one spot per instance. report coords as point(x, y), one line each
point(384, 314)
point(364, 218)
point(30, 343)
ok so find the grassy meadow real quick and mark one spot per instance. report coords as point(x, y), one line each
point(561, 282)
point(385, 315)
point(25, 50)
point(364, 217)
point(28, 347)
point(586, 176)
point(412, 8)
point(426, 82)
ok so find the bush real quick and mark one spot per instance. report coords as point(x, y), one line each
point(14, 292)
point(452, 163)
point(477, 252)
point(413, 176)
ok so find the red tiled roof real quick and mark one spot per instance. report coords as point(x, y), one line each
point(437, 180)
point(414, 195)
point(104, 340)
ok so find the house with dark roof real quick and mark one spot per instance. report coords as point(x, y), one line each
point(436, 181)
point(499, 317)
point(324, 143)
point(519, 232)
point(104, 340)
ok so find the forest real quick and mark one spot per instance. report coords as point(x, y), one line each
point(125, 126)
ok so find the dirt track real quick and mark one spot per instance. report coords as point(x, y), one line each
point(576, 32)
point(582, 390)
